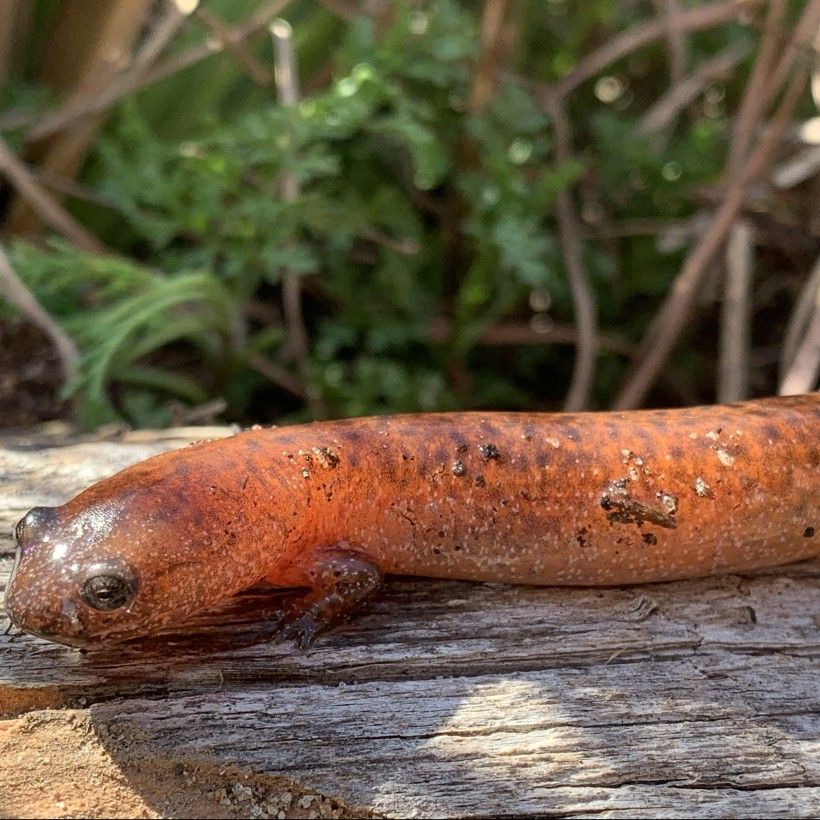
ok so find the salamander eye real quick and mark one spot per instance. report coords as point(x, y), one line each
point(107, 592)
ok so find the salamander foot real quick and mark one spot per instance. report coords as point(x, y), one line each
point(341, 582)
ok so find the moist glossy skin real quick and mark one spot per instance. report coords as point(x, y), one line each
point(586, 499)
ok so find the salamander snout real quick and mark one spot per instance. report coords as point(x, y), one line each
point(55, 591)
point(33, 524)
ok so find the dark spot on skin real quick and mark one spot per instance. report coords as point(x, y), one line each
point(490, 429)
point(489, 452)
point(328, 458)
point(505, 502)
point(621, 508)
point(436, 551)
point(650, 538)
point(457, 548)
point(676, 453)
point(441, 533)
point(462, 448)
point(458, 468)
point(808, 532)
point(581, 537)
point(572, 433)
point(480, 481)
point(525, 495)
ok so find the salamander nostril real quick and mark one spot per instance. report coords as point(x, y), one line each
point(33, 521)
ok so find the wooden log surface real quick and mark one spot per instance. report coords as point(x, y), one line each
point(694, 698)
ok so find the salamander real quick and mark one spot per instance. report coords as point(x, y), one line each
point(331, 507)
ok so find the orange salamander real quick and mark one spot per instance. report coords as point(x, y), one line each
point(331, 507)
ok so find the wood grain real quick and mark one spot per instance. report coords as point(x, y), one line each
point(450, 699)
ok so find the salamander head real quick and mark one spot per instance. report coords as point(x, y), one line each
point(126, 558)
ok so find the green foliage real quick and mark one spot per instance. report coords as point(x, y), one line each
point(409, 211)
point(121, 313)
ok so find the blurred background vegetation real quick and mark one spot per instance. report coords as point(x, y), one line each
point(522, 204)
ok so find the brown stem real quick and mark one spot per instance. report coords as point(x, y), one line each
point(521, 333)
point(800, 318)
point(580, 390)
point(173, 17)
point(663, 113)
point(45, 205)
point(671, 10)
point(253, 67)
point(754, 106)
point(486, 70)
point(672, 318)
point(13, 288)
point(74, 110)
point(277, 374)
point(287, 87)
point(735, 341)
point(802, 374)
point(694, 19)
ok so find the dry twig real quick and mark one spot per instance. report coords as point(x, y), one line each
point(43, 203)
point(671, 319)
point(695, 19)
point(227, 39)
point(663, 113)
point(13, 288)
point(754, 105)
point(507, 334)
point(670, 10)
point(580, 390)
point(173, 17)
point(74, 110)
point(801, 376)
point(735, 331)
point(287, 86)
point(277, 374)
point(799, 321)
point(486, 71)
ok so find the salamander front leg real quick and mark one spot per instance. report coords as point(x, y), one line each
point(340, 583)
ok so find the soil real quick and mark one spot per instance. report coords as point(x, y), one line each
point(54, 764)
point(30, 377)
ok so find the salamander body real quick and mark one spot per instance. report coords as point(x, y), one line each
point(569, 499)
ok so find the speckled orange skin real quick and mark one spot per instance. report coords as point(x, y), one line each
point(586, 499)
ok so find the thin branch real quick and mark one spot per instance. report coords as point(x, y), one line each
point(341, 8)
point(670, 10)
point(173, 17)
point(486, 70)
point(753, 106)
point(695, 19)
point(13, 288)
point(254, 68)
point(672, 318)
point(439, 331)
point(121, 86)
point(735, 331)
point(800, 318)
point(277, 374)
point(583, 373)
point(45, 205)
point(663, 113)
point(797, 45)
point(287, 87)
point(801, 377)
